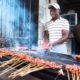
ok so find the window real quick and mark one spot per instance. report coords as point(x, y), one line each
point(71, 17)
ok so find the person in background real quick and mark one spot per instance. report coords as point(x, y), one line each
point(76, 33)
point(56, 31)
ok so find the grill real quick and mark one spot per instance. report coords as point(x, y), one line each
point(52, 56)
point(58, 59)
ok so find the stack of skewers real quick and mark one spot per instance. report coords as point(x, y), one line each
point(73, 71)
point(31, 64)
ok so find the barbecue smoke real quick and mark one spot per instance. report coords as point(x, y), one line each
point(16, 23)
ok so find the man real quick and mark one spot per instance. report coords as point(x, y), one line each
point(76, 33)
point(56, 31)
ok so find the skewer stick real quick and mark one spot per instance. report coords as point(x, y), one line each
point(36, 69)
point(11, 68)
point(78, 74)
point(77, 77)
point(16, 72)
point(14, 63)
point(7, 62)
point(68, 75)
point(72, 76)
point(26, 70)
point(76, 71)
point(21, 69)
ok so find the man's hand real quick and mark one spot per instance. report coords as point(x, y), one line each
point(50, 46)
point(46, 45)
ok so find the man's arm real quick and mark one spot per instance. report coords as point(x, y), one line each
point(45, 42)
point(46, 36)
point(65, 34)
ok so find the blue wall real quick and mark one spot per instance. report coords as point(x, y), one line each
point(18, 23)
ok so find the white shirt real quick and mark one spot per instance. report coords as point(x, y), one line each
point(55, 32)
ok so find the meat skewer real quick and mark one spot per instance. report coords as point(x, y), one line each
point(7, 62)
point(30, 65)
point(34, 64)
point(68, 72)
point(79, 73)
point(26, 70)
point(14, 74)
point(30, 71)
point(14, 63)
point(11, 68)
point(73, 74)
point(74, 70)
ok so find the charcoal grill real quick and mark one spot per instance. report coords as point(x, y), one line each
point(52, 56)
point(62, 59)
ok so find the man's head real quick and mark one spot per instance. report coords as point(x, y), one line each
point(54, 10)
